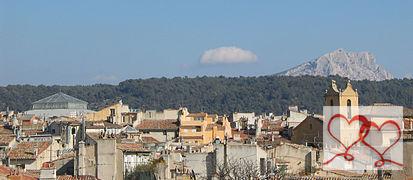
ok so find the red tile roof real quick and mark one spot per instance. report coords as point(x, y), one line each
point(32, 132)
point(5, 140)
point(82, 177)
point(239, 134)
point(149, 140)
point(26, 150)
point(4, 130)
point(167, 124)
point(191, 137)
point(15, 174)
point(271, 125)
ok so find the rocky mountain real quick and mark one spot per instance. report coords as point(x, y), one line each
point(353, 65)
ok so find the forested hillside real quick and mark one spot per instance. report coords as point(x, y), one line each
point(214, 94)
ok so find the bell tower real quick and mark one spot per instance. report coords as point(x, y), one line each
point(349, 97)
point(338, 97)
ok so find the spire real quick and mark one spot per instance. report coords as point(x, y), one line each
point(349, 87)
point(334, 85)
point(349, 84)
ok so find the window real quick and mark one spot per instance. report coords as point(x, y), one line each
point(331, 102)
point(311, 126)
point(198, 129)
point(112, 112)
point(348, 108)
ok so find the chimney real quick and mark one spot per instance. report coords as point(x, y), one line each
point(48, 171)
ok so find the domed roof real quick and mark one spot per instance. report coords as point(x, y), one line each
point(60, 98)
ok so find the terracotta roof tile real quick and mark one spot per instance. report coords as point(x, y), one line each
point(6, 139)
point(149, 140)
point(26, 150)
point(82, 177)
point(167, 124)
point(4, 130)
point(191, 137)
point(272, 126)
point(15, 174)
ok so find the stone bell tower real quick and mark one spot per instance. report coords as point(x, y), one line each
point(338, 97)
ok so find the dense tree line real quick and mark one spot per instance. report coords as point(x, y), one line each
point(221, 95)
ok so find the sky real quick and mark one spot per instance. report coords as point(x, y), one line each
point(97, 41)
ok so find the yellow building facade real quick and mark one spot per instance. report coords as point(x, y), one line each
point(112, 113)
point(202, 128)
point(336, 97)
point(344, 102)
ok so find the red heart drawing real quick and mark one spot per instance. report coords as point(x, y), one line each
point(382, 160)
point(346, 155)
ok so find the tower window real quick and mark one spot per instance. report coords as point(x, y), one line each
point(348, 108)
point(331, 102)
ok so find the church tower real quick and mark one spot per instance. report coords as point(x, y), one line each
point(338, 97)
point(344, 102)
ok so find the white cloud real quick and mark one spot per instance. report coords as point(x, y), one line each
point(228, 55)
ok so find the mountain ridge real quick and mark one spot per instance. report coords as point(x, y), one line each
point(352, 65)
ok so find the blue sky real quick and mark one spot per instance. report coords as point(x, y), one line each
point(86, 42)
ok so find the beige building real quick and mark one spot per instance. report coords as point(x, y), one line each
point(243, 120)
point(112, 113)
point(202, 128)
point(161, 130)
point(310, 130)
point(141, 115)
point(30, 155)
point(106, 157)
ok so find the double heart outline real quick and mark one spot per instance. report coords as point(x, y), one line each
point(363, 133)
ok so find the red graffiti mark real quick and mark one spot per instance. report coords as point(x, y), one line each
point(363, 133)
point(382, 161)
point(347, 156)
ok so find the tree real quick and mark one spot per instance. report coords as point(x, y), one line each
point(144, 172)
point(237, 170)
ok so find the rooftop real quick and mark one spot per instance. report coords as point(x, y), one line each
point(59, 98)
point(166, 124)
point(101, 125)
point(28, 150)
point(15, 174)
point(202, 114)
point(131, 147)
point(81, 177)
point(4, 130)
point(147, 139)
point(6, 139)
